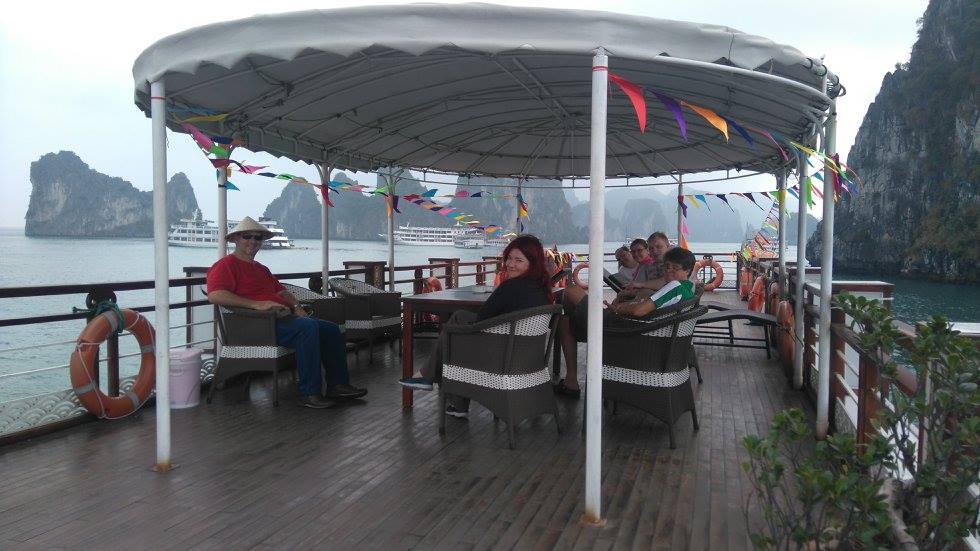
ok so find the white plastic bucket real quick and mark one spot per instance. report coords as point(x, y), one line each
point(185, 378)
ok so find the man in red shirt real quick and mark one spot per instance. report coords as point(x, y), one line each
point(237, 280)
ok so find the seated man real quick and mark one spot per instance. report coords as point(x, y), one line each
point(237, 280)
point(657, 245)
point(678, 264)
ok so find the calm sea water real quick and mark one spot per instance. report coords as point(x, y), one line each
point(48, 261)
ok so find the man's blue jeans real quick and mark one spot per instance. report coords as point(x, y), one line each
point(315, 341)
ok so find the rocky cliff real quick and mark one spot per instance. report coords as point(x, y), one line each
point(69, 199)
point(917, 152)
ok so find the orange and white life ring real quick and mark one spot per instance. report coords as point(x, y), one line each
point(84, 364)
point(757, 298)
point(575, 278)
point(786, 338)
point(719, 273)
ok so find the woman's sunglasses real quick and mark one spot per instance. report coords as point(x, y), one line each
point(252, 236)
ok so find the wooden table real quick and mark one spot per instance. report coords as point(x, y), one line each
point(439, 302)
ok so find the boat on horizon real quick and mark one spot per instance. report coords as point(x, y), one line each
point(201, 233)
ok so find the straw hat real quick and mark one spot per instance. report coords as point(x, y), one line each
point(250, 226)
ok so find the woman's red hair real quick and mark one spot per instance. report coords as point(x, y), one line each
point(532, 249)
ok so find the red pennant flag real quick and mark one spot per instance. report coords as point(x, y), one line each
point(324, 194)
point(635, 95)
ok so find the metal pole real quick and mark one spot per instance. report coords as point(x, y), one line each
point(800, 275)
point(222, 212)
point(391, 230)
point(826, 276)
point(324, 170)
point(161, 271)
point(517, 220)
point(781, 184)
point(680, 213)
point(597, 209)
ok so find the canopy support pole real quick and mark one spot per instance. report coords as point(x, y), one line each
point(826, 275)
point(391, 228)
point(161, 273)
point(597, 210)
point(324, 170)
point(800, 275)
point(222, 212)
point(680, 212)
point(781, 194)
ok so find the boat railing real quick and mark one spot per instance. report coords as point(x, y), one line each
point(859, 389)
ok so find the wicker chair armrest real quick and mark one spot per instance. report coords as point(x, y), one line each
point(246, 327)
point(385, 304)
point(303, 294)
point(328, 308)
point(633, 326)
point(479, 326)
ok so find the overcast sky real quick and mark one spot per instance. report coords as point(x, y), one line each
point(66, 70)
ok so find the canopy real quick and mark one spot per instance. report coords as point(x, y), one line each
point(483, 89)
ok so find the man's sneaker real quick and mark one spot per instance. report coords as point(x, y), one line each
point(417, 383)
point(345, 391)
point(451, 410)
point(315, 402)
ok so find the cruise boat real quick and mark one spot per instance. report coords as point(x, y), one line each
point(472, 239)
point(198, 232)
point(431, 236)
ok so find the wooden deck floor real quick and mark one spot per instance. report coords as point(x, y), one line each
point(372, 476)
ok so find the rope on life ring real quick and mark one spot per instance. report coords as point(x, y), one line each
point(575, 278)
point(744, 283)
point(757, 297)
point(83, 367)
point(719, 273)
point(432, 284)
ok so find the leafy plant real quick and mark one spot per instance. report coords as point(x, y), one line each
point(815, 496)
point(937, 504)
point(829, 494)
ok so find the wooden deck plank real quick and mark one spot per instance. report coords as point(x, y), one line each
point(373, 476)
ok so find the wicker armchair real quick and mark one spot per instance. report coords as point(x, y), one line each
point(645, 363)
point(502, 363)
point(248, 345)
point(248, 338)
point(370, 313)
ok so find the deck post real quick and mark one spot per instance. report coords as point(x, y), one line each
point(324, 170)
point(222, 212)
point(826, 275)
point(800, 274)
point(161, 272)
point(597, 209)
point(391, 228)
point(781, 193)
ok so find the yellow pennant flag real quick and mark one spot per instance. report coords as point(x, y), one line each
point(711, 117)
point(206, 118)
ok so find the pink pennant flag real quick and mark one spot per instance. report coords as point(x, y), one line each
point(462, 193)
point(774, 142)
point(249, 169)
point(202, 140)
point(325, 195)
point(220, 163)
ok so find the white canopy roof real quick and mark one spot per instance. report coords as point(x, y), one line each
point(483, 89)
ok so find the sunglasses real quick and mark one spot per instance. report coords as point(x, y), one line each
point(252, 236)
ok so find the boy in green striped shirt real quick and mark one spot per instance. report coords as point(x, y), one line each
point(678, 264)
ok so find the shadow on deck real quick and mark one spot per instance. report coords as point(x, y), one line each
point(369, 475)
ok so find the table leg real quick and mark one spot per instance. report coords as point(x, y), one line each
point(408, 364)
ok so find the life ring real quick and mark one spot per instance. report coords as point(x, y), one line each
point(84, 365)
point(772, 298)
point(786, 339)
point(499, 278)
point(719, 273)
point(757, 297)
point(744, 283)
point(575, 278)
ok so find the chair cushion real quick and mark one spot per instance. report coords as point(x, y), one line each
point(645, 378)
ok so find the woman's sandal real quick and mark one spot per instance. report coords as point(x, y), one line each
point(560, 388)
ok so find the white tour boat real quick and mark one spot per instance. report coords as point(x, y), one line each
point(198, 232)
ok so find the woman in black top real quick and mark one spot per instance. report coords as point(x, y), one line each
point(527, 285)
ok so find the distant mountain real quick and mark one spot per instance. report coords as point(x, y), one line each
point(917, 153)
point(69, 199)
